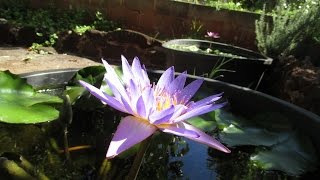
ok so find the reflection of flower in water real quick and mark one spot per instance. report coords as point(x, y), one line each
point(163, 106)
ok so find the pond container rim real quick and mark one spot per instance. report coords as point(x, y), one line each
point(259, 57)
point(306, 120)
point(72, 71)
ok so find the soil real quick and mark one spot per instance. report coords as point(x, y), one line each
point(297, 82)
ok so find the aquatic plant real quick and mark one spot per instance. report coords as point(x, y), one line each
point(164, 106)
point(213, 35)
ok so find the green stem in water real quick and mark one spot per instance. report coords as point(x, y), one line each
point(104, 169)
point(66, 116)
point(138, 159)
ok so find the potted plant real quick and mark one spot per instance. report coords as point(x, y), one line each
point(216, 60)
point(282, 133)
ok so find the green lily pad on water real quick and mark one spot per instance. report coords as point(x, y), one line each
point(21, 104)
point(92, 75)
point(278, 146)
point(238, 131)
point(203, 123)
point(294, 156)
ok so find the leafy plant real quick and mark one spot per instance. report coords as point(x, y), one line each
point(49, 22)
point(20, 103)
point(82, 29)
point(196, 29)
point(289, 27)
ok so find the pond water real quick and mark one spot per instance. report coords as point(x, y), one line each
point(89, 134)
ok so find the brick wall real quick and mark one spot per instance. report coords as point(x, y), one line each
point(171, 19)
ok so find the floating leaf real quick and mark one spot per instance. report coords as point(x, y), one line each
point(295, 156)
point(20, 103)
point(225, 119)
point(93, 75)
point(283, 149)
point(203, 124)
point(237, 136)
point(77, 93)
point(237, 131)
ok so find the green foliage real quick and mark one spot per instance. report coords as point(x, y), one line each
point(78, 94)
point(82, 29)
point(196, 30)
point(20, 103)
point(289, 27)
point(100, 23)
point(49, 22)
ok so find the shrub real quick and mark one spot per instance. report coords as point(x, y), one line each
point(289, 27)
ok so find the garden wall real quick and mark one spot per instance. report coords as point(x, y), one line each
point(171, 19)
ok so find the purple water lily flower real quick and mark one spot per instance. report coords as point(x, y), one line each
point(213, 35)
point(164, 106)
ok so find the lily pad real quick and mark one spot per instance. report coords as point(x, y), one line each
point(20, 103)
point(295, 156)
point(225, 119)
point(238, 131)
point(204, 124)
point(238, 136)
point(93, 75)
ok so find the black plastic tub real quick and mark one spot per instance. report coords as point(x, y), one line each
point(194, 163)
point(245, 67)
point(241, 98)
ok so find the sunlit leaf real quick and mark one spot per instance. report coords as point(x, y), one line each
point(93, 75)
point(77, 93)
point(20, 103)
point(203, 124)
point(225, 118)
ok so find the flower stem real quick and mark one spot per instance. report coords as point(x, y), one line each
point(138, 159)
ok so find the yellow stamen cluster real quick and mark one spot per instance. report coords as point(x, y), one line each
point(164, 101)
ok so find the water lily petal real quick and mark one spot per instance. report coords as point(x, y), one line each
point(130, 131)
point(204, 138)
point(158, 117)
point(148, 98)
point(205, 101)
point(137, 70)
point(188, 92)
point(178, 110)
point(112, 78)
point(126, 69)
point(165, 78)
point(114, 90)
point(141, 109)
point(178, 129)
point(145, 75)
point(127, 106)
point(177, 83)
point(103, 96)
point(133, 92)
point(199, 111)
point(119, 92)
